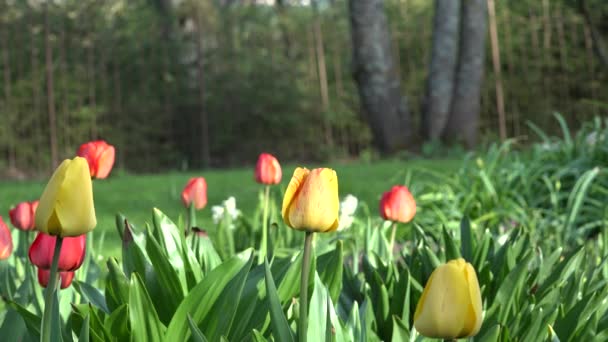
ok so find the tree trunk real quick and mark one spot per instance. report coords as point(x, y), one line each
point(50, 88)
point(598, 44)
point(204, 122)
point(374, 72)
point(500, 100)
point(8, 97)
point(322, 69)
point(463, 123)
point(444, 59)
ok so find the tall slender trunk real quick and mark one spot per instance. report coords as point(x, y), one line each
point(374, 71)
point(463, 123)
point(500, 102)
point(50, 89)
point(65, 113)
point(444, 60)
point(37, 97)
point(120, 120)
point(204, 122)
point(8, 97)
point(322, 69)
point(598, 44)
point(92, 92)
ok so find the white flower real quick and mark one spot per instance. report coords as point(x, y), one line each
point(228, 207)
point(348, 206)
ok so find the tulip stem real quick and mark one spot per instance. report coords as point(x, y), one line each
point(191, 218)
point(393, 231)
point(49, 300)
point(263, 252)
point(303, 326)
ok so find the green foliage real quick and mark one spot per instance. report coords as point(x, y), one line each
point(543, 278)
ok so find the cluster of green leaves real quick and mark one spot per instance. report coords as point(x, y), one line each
point(543, 278)
point(556, 188)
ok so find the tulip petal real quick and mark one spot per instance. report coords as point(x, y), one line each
point(298, 178)
point(475, 307)
point(74, 202)
point(317, 204)
point(46, 207)
point(105, 162)
point(440, 314)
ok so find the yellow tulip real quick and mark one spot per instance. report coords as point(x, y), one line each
point(66, 205)
point(450, 306)
point(311, 200)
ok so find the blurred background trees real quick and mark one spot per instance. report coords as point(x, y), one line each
point(177, 84)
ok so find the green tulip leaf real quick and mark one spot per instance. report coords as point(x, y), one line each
point(144, 321)
point(281, 330)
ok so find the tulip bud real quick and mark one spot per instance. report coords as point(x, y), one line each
point(22, 215)
point(398, 205)
point(268, 170)
point(195, 193)
point(45, 275)
point(6, 241)
point(71, 255)
point(311, 200)
point(66, 205)
point(100, 156)
point(450, 305)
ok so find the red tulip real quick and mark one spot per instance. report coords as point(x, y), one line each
point(398, 205)
point(6, 241)
point(70, 256)
point(268, 170)
point(195, 193)
point(44, 275)
point(22, 215)
point(100, 156)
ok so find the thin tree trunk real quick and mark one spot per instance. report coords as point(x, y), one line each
point(64, 88)
point(444, 59)
point(589, 50)
point(464, 118)
point(280, 11)
point(312, 62)
point(546, 26)
point(204, 122)
point(50, 89)
point(37, 97)
point(598, 44)
point(374, 71)
point(120, 121)
point(92, 92)
point(500, 102)
point(322, 69)
point(8, 97)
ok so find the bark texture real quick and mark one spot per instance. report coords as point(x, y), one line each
point(376, 77)
point(444, 59)
point(463, 123)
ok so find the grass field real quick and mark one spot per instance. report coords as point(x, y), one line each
point(136, 195)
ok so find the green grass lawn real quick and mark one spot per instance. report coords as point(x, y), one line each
point(136, 195)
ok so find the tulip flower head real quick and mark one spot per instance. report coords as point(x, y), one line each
point(44, 275)
point(23, 214)
point(450, 305)
point(6, 241)
point(71, 255)
point(268, 170)
point(398, 205)
point(100, 156)
point(195, 193)
point(311, 200)
point(66, 205)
